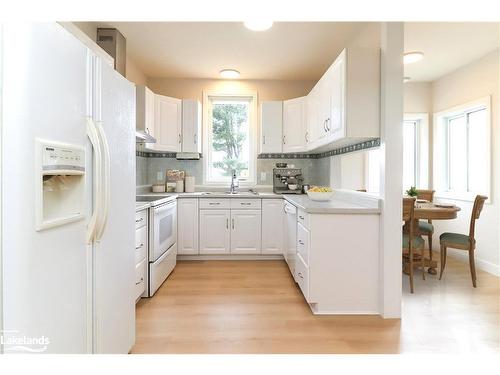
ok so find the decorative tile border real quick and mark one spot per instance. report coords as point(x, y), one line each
point(352, 148)
point(338, 151)
point(145, 154)
point(287, 156)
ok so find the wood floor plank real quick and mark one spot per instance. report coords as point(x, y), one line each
point(255, 307)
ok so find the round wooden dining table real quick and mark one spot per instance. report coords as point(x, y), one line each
point(432, 211)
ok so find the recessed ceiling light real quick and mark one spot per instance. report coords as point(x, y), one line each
point(258, 25)
point(406, 79)
point(229, 73)
point(411, 57)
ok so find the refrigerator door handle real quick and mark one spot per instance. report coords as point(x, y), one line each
point(106, 181)
point(94, 140)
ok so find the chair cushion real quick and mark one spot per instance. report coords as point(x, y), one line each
point(425, 227)
point(457, 238)
point(417, 243)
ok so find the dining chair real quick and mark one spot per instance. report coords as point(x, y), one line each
point(411, 241)
point(463, 241)
point(425, 227)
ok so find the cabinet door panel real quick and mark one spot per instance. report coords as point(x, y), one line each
point(272, 226)
point(215, 236)
point(191, 126)
point(245, 232)
point(336, 124)
point(187, 226)
point(271, 122)
point(294, 125)
point(168, 116)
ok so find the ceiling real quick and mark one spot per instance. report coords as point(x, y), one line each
point(291, 50)
point(287, 51)
point(447, 46)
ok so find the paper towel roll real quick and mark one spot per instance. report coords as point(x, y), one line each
point(189, 182)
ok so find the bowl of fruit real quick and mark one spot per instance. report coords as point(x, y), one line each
point(320, 193)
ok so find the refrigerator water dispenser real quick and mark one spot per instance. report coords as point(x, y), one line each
point(61, 184)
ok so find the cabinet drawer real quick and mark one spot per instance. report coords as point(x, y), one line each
point(303, 218)
point(140, 278)
point(303, 243)
point(141, 244)
point(302, 276)
point(141, 218)
point(218, 204)
point(246, 203)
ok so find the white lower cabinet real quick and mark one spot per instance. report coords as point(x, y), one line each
point(187, 226)
point(272, 226)
point(141, 252)
point(215, 235)
point(245, 231)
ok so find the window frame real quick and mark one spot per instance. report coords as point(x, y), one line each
point(441, 141)
point(208, 96)
point(422, 150)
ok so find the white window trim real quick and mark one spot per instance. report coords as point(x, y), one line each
point(423, 150)
point(438, 122)
point(252, 182)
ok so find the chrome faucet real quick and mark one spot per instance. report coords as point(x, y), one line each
point(234, 183)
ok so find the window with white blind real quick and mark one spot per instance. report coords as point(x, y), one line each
point(462, 151)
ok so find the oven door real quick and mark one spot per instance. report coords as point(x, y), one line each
point(164, 229)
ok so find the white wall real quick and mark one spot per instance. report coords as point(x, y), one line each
point(474, 81)
point(471, 82)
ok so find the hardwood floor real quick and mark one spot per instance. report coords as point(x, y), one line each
point(255, 307)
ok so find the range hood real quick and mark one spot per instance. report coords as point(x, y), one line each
point(142, 137)
point(187, 156)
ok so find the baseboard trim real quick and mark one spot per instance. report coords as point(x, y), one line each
point(230, 257)
point(483, 265)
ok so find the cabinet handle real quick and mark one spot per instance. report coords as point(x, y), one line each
point(245, 204)
point(300, 275)
point(301, 217)
point(139, 220)
point(140, 246)
point(284, 139)
point(263, 139)
point(180, 138)
point(306, 137)
point(195, 138)
point(233, 223)
point(227, 223)
point(300, 242)
point(142, 279)
point(213, 203)
point(328, 124)
point(324, 126)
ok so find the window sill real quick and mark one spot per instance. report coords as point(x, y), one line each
point(453, 196)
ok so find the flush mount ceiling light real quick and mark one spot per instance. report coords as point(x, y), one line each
point(229, 73)
point(258, 25)
point(406, 79)
point(411, 57)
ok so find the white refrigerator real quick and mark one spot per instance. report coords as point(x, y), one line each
point(68, 196)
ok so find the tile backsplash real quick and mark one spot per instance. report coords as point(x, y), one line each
point(315, 171)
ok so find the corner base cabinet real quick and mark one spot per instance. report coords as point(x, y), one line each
point(336, 268)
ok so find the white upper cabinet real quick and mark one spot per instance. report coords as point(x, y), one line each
point(272, 226)
point(271, 127)
point(294, 125)
point(145, 109)
point(191, 126)
point(168, 124)
point(346, 101)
